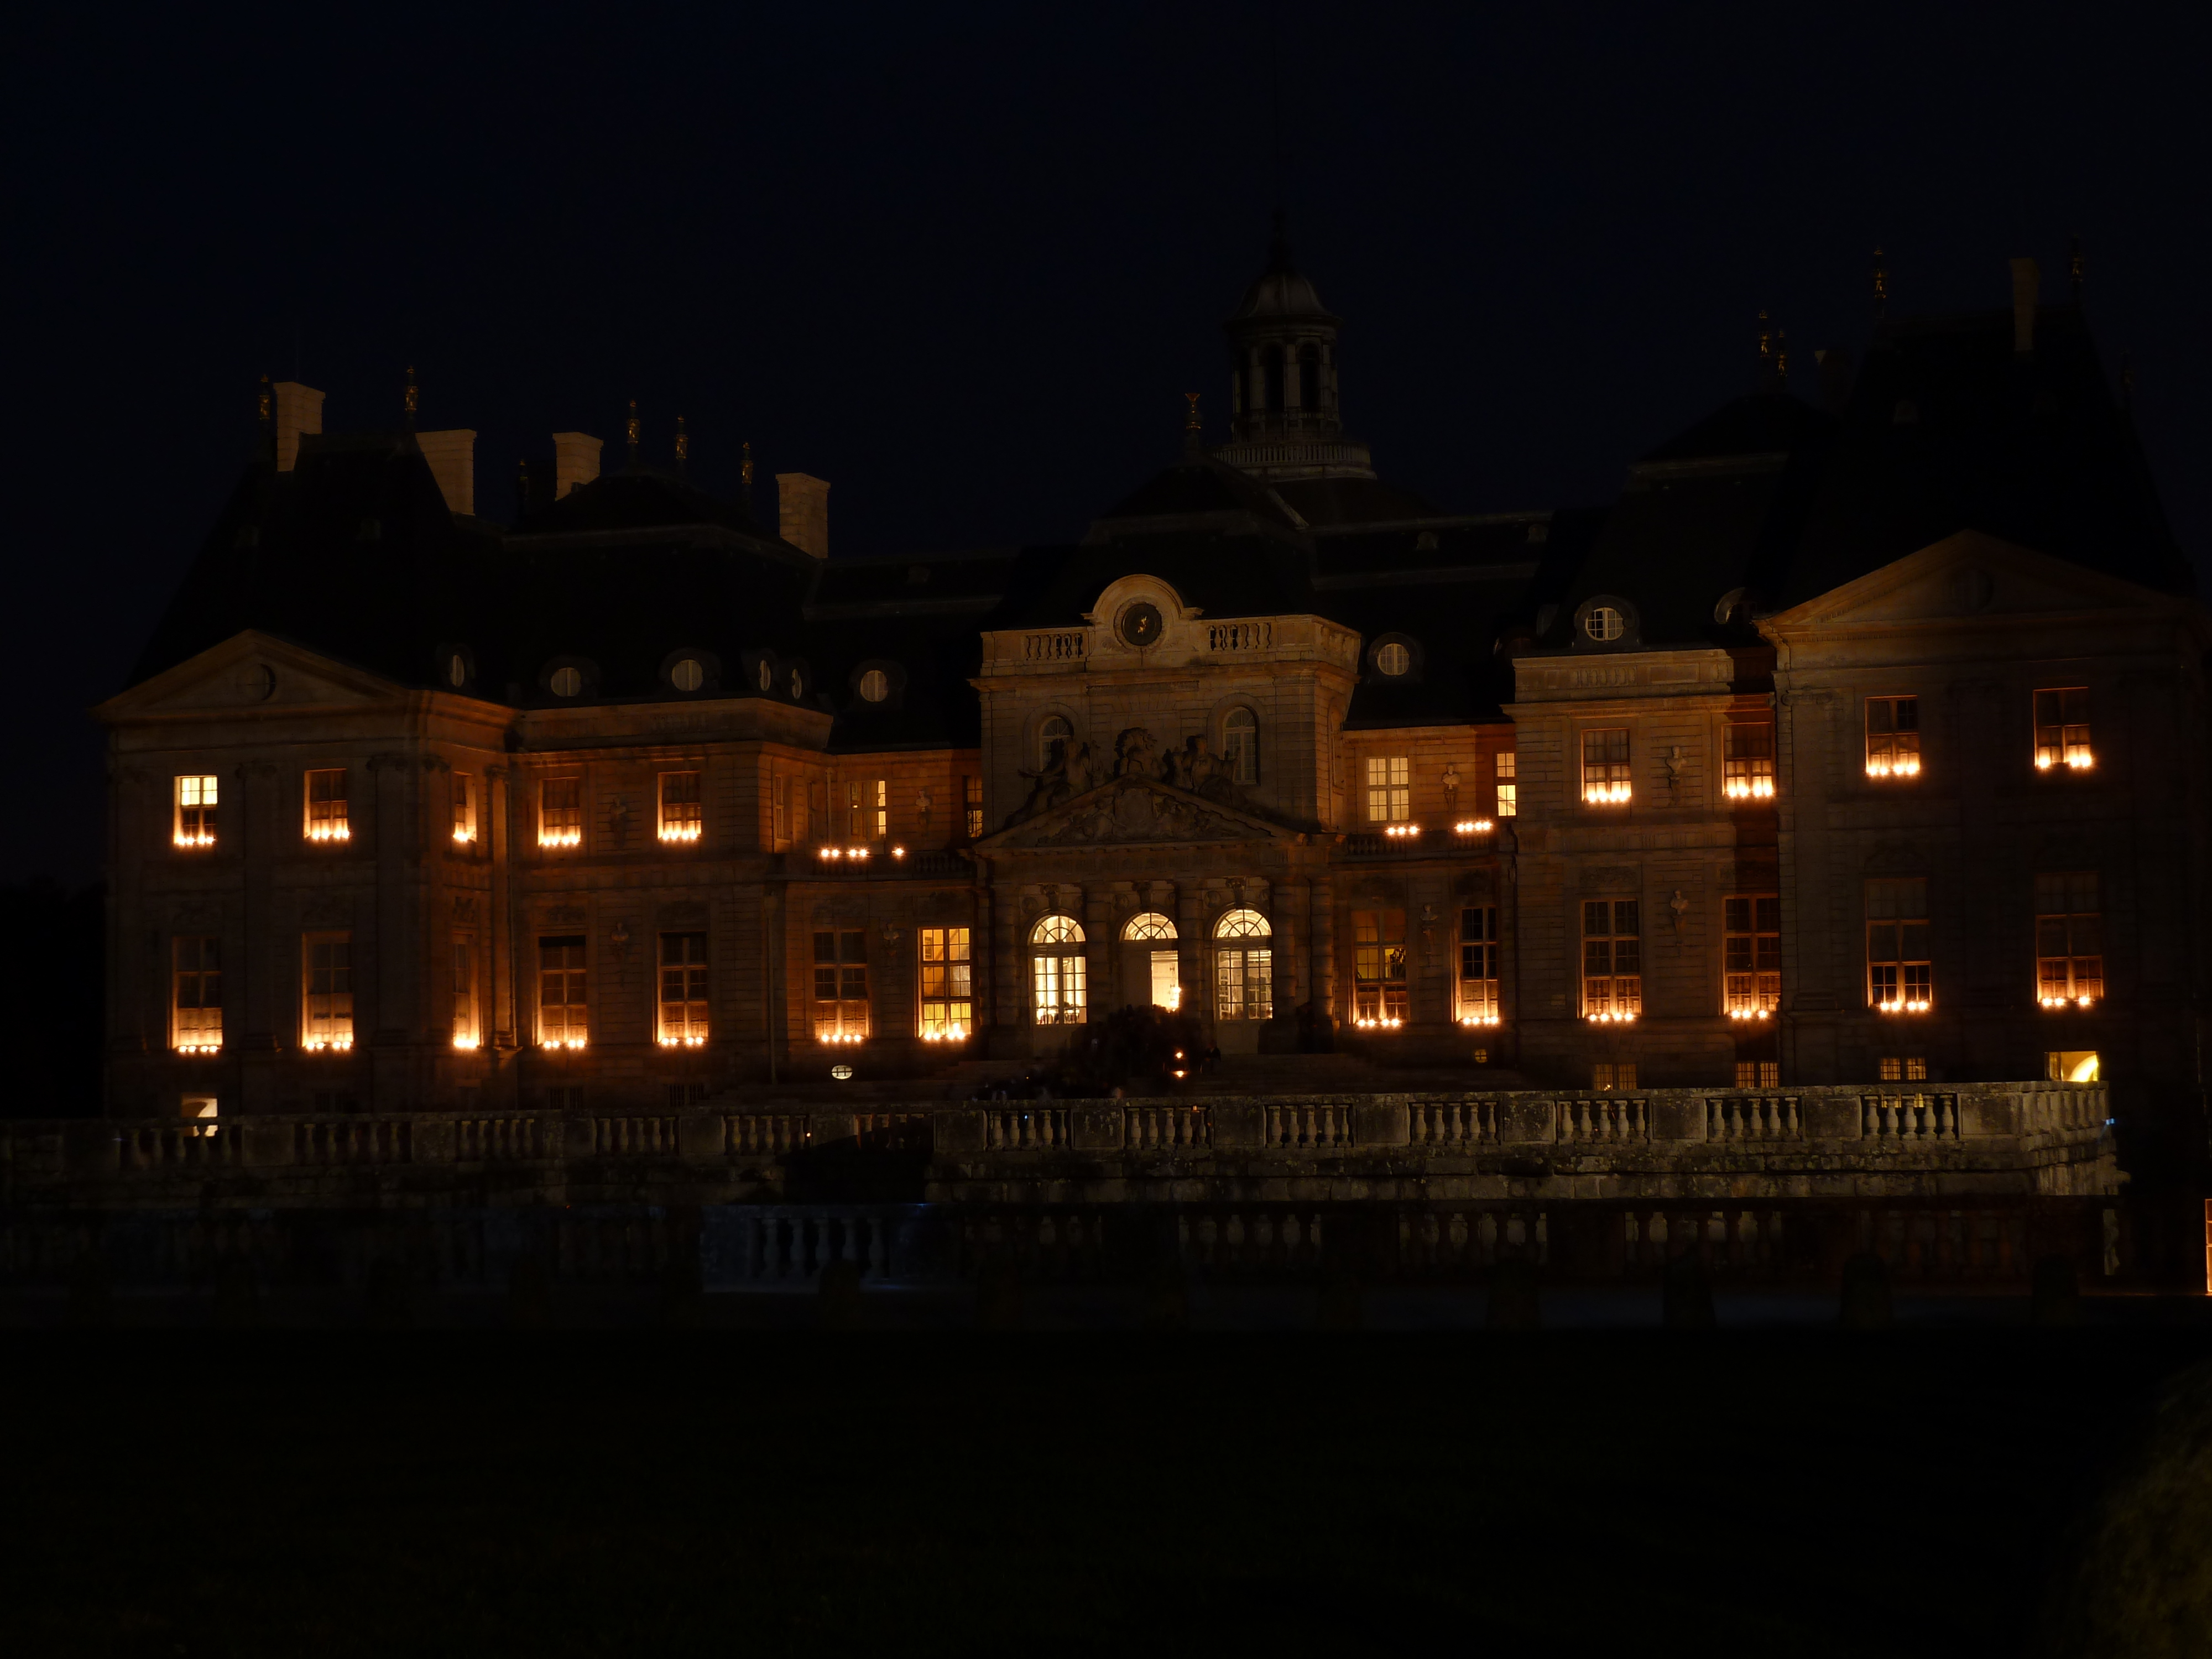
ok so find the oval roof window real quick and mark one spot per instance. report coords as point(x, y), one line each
point(1604, 624)
point(457, 670)
point(766, 675)
point(794, 684)
point(1393, 659)
point(566, 682)
point(875, 685)
point(687, 675)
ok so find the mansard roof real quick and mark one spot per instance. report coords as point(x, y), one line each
point(642, 498)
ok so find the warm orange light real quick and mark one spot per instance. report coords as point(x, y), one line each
point(1378, 1024)
point(1610, 1020)
point(1472, 827)
point(2066, 1002)
point(200, 838)
point(679, 832)
point(1748, 1014)
point(460, 1041)
point(560, 837)
point(1480, 1019)
point(839, 1037)
point(563, 1042)
point(199, 1047)
point(330, 832)
point(1604, 794)
point(682, 1042)
point(1905, 766)
point(1749, 789)
point(898, 852)
point(945, 1033)
point(1902, 1007)
point(464, 835)
point(1403, 829)
point(328, 1045)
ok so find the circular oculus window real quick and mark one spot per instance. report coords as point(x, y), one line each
point(1393, 659)
point(687, 675)
point(875, 685)
point(457, 670)
point(767, 677)
point(1604, 624)
point(566, 682)
point(1141, 624)
point(794, 684)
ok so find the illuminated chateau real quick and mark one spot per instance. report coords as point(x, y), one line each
point(1859, 744)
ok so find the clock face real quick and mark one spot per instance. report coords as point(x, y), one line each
point(1140, 625)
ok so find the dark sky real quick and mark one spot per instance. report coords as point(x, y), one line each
point(962, 261)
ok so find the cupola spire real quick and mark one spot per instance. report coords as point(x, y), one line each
point(1284, 418)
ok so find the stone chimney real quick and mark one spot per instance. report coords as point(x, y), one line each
point(802, 512)
point(452, 458)
point(299, 409)
point(2027, 282)
point(575, 462)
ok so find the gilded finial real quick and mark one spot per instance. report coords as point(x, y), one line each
point(2073, 268)
point(522, 485)
point(1193, 424)
point(683, 445)
point(1766, 344)
point(1194, 430)
point(746, 471)
point(265, 406)
point(413, 399)
point(1781, 359)
point(1881, 285)
point(632, 432)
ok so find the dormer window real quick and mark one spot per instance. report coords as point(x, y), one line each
point(1391, 658)
point(1892, 737)
point(560, 812)
point(566, 682)
point(1605, 767)
point(1748, 764)
point(464, 809)
point(326, 806)
point(688, 675)
point(1604, 624)
point(2062, 730)
point(679, 806)
point(1240, 745)
point(195, 822)
point(767, 678)
point(875, 685)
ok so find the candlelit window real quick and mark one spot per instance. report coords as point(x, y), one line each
point(868, 809)
point(195, 821)
point(197, 996)
point(1892, 737)
point(1903, 1068)
point(560, 812)
point(679, 806)
point(841, 984)
point(1748, 765)
point(684, 988)
point(2069, 951)
point(1613, 960)
point(326, 977)
point(1508, 784)
point(971, 794)
point(948, 1008)
point(1390, 788)
point(1750, 960)
point(466, 1032)
point(1243, 967)
point(1057, 988)
point(1378, 967)
point(1758, 1074)
point(326, 806)
point(1607, 1074)
point(464, 808)
point(1899, 977)
point(2062, 730)
point(563, 1001)
point(1478, 965)
point(1605, 767)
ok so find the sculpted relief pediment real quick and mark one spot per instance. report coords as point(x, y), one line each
point(1130, 810)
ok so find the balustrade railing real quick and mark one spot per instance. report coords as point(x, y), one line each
point(348, 1141)
point(1902, 1119)
point(499, 1139)
point(764, 1135)
point(1028, 1129)
point(1053, 647)
point(1453, 1123)
point(1603, 1117)
point(634, 1137)
point(1166, 1128)
point(1309, 1128)
point(1753, 1117)
point(1240, 635)
point(192, 1145)
point(2059, 1109)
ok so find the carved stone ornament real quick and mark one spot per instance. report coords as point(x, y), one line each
point(569, 914)
point(465, 907)
point(1132, 812)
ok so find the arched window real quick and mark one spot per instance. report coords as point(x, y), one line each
point(1273, 370)
point(1052, 743)
point(1056, 971)
point(1240, 745)
point(1150, 926)
point(1158, 966)
point(1309, 393)
point(1243, 967)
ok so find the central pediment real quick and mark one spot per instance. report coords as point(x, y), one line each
point(1132, 810)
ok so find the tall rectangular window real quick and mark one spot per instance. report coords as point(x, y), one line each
point(868, 809)
point(682, 989)
point(841, 985)
point(326, 806)
point(1057, 973)
point(1243, 971)
point(2062, 729)
point(326, 978)
point(1509, 784)
point(971, 795)
point(1390, 788)
point(1378, 967)
point(1751, 955)
point(1899, 977)
point(560, 812)
point(1605, 767)
point(464, 809)
point(1748, 765)
point(194, 810)
point(679, 806)
point(780, 809)
point(466, 1034)
point(817, 810)
point(1613, 960)
point(196, 993)
point(948, 1007)
point(1758, 1074)
point(1478, 965)
point(2069, 945)
point(563, 992)
point(1892, 737)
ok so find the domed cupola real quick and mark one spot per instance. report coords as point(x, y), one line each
point(1284, 418)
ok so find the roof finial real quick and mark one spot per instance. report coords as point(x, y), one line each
point(632, 433)
point(412, 400)
point(1881, 285)
point(1766, 351)
point(264, 412)
point(522, 486)
point(2074, 270)
point(1194, 430)
point(682, 447)
point(1781, 360)
point(745, 473)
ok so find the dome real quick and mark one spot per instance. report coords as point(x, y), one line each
point(1280, 291)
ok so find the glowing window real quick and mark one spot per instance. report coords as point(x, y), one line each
point(2069, 948)
point(1605, 767)
point(1613, 960)
point(1378, 967)
point(1902, 1068)
point(688, 675)
point(948, 1007)
point(1391, 658)
point(1509, 786)
point(1892, 737)
point(1748, 762)
point(563, 999)
point(682, 989)
point(196, 993)
point(464, 808)
point(1609, 1074)
point(679, 806)
point(1057, 971)
point(868, 809)
point(1900, 979)
point(2062, 730)
point(560, 812)
point(466, 1032)
point(1151, 926)
point(568, 682)
point(326, 984)
point(971, 794)
point(1478, 965)
point(1390, 788)
point(1751, 955)
point(1242, 972)
point(326, 806)
point(841, 985)
point(875, 685)
point(1604, 624)
point(2072, 1066)
point(1758, 1074)
point(195, 813)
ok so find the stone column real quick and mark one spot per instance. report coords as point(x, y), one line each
point(498, 932)
point(1321, 946)
point(1097, 913)
point(1293, 935)
point(270, 960)
point(1190, 952)
point(982, 958)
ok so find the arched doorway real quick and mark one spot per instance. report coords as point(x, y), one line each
point(1243, 980)
point(1149, 964)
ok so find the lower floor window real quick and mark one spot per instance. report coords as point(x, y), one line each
point(1478, 965)
point(1612, 1075)
point(1378, 967)
point(327, 1014)
point(1903, 1068)
point(683, 989)
point(948, 1007)
point(1057, 991)
point(563, 1016)
point(197, 993)
point(841, 985)
point(1758, 1074)
point(464, 992)
point(1242, 984)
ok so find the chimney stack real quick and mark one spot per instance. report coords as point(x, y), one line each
point(802, 512)
point(298, 411)
point(452, 458)
point(575, 462)
point(2027, 283)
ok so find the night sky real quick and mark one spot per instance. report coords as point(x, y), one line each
point(964, 262)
